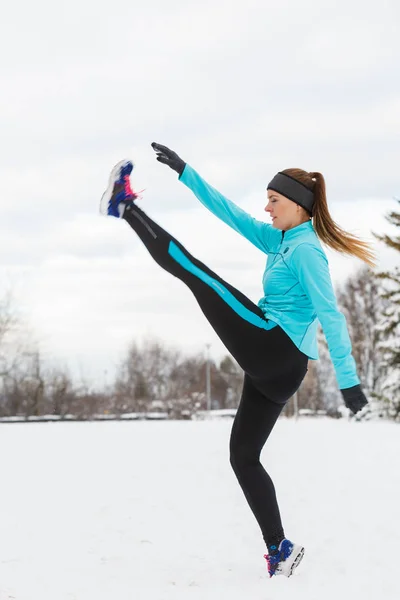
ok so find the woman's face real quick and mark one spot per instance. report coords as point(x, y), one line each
point(285, 213)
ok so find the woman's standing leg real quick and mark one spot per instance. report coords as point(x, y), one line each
point(255, 418)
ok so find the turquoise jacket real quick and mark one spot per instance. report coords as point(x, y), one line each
point(298, 291)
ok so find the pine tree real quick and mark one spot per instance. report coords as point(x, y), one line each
point(390, 322)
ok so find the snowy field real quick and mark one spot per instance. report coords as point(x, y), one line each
point(152, 511)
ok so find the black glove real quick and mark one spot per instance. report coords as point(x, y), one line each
point(354, 398)
point(168, 157)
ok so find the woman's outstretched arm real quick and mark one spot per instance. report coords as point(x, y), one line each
point(261, 234)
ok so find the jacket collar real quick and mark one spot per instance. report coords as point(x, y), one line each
point(298, 231)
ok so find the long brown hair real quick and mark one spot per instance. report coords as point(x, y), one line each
point(325, 227)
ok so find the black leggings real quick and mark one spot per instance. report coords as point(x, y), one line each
point(273, 365)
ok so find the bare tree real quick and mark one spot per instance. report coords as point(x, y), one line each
point(8, 327)
point(149, 372)
point(362, 303)
point(154, 375)
point(232, 375)
point(310, 394)
point(60, 391)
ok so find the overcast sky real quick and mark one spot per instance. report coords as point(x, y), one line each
point(240, 90)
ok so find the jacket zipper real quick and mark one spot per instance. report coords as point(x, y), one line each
point(280, 246)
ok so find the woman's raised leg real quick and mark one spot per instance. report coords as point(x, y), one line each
point(239, 323)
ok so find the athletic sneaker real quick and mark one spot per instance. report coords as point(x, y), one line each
point(119, 192)
point(285, 560)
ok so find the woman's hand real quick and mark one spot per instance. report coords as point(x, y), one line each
point(168, 157)
point(354, 398)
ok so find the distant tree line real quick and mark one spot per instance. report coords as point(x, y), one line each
point(156, 378)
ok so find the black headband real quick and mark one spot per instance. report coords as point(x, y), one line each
point(292, 189)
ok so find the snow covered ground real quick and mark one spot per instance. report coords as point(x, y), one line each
point(152, 511)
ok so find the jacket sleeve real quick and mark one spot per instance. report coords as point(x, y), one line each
point(260, 234)
point(312, 270)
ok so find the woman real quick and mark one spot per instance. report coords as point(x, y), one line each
point(271, 341)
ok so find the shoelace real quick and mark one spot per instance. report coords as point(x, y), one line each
point(127, 186)
point(273, 561)
point(128, 189)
